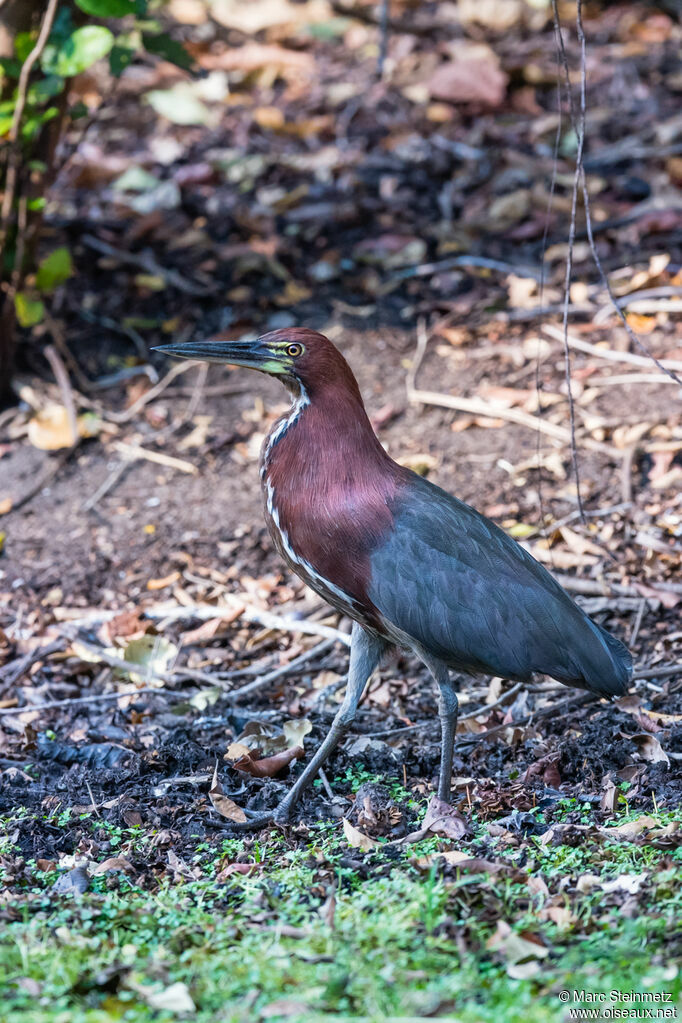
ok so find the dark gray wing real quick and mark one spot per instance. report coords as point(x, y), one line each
point(470, 595)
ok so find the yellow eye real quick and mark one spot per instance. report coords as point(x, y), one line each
point(294, 350)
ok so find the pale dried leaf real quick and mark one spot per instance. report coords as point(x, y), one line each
point(222, 803)
point(356, 839)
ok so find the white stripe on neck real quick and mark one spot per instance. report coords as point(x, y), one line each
point(302, 400)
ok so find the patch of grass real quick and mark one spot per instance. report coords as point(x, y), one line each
point(319, 930)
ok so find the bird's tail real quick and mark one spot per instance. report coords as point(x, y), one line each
point(608, 667)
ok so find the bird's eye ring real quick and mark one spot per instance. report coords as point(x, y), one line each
point(294, 350)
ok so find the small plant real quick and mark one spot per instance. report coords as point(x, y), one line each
point(39, 56)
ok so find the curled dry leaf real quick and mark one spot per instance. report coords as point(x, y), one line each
point(443, 819)
point(521, 950)
point(295, 731)
point(630, 830)
point(649, 748)
point(113, 863)
point(222, 803)
point(357, 839)
point(268, 767)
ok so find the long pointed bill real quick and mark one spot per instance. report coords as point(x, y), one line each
point(252, 354)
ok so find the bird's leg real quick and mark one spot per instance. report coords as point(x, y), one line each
point(447, 712)
point(365, 653)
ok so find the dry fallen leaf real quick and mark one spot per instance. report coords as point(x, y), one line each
point(50, 429)
point(222, 803)
point(649, 748)
point(295, 731)
point(521, 950)
point(473, 75)
point(443, 819)
point(357, 839)
point(268, 767)
point(630, 830)
point(175, 998)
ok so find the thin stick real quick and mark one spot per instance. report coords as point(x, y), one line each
point(569, 263)
point(133, 451)
point(95, 698)
point(65, 388)
point(111, 481)
point(586, 198)
point(663, 672)
point(11, 673)
point(284, 669)
point(146, 261)
point(141, 669)
point(325, 784)
point(460, 717)
point(611, 355)
point(250, 614)
point(153, 392)
point(478, 407)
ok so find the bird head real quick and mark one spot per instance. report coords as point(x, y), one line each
point(302, 359)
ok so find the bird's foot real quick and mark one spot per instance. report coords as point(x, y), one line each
point(254, 822)
point(257, 821)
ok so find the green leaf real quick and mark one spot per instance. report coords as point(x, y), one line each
point(23, 44)
point(170, 49)
point(10, 67)
point(120, 58)
point(36, 204)
point(29, 310)
point(32, 125)
point(79, 51)
point(107, 8)
point(54, 270)
point(45, 89)
point(5, 124)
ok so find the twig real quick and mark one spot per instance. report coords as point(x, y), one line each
point(452, 262)
point(11, 673)
point(94, 806)
point(251, 614)
point(460, 717)
point(133, 452)
point(611, 355)
point(152, 393)
point(284, 669)
point(111, 481)
point(585, 193)
point(663, 672)
point(62, 378)
point(580, 131)
point(478, 407)
point(632, 639)
point(236, 609)
point(326, 786)
point(14, 157)
point(141, 669)
point(146, 261)
point(95, 698)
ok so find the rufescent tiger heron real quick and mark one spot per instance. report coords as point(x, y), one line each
point(408, 563)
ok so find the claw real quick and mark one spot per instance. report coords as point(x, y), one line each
point(255, 822)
